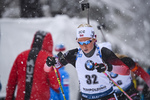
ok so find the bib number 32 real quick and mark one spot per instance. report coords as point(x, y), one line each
point(91, 79)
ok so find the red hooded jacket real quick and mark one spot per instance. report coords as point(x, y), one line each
point(41, 81)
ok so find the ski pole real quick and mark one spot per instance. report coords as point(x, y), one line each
point(59, 83)
point(86, 6)
point(118, 86)
point(100, 28)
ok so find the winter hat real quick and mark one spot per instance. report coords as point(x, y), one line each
point(85, 30)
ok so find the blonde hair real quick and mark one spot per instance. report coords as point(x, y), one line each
point(120, 55)
point(84, 25)
point(92, 35)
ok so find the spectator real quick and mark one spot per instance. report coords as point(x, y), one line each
point(27, 72)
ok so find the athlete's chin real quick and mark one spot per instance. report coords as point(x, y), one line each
point(86, 51)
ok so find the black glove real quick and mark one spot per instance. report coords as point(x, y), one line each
point(68, 57)
point(62, 59)
point(100, 67)
point(50, 61)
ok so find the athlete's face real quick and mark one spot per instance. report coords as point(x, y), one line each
point(86, 44)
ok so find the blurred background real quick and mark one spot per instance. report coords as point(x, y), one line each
point(126, 25)
point(128, 21)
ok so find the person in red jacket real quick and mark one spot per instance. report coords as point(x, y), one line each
point(27, 72)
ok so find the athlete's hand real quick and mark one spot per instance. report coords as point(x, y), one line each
point(50, 61)
point(100, 67)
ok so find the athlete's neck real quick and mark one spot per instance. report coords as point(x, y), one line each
point(91, 52)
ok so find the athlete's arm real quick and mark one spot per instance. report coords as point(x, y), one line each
point(61, 60)
point(68, 57)
point(110, 58)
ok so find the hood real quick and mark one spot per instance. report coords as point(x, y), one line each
point(43, 41)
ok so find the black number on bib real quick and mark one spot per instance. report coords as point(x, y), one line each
point(95, 79)
point(88, 79)
point(91, 78)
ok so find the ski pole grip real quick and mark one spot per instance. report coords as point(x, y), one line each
point(85, 6)
point(88, 5)
point(50, 61)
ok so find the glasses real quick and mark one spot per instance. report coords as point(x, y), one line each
point(85, 42)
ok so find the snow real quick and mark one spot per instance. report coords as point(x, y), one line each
point(16, 36)
point(129, 21)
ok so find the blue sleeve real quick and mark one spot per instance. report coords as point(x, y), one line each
point(65, 84)
point(53, 95)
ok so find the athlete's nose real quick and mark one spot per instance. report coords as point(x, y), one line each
point(84, 45)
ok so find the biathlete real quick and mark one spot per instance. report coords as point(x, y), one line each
point(90, 60)
point(126, 83)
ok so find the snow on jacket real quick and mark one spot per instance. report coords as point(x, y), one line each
point(41, 81)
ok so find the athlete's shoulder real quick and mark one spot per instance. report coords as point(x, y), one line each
point(71, 52)
point(106, 50)
point(105, 44)
point(70, 56)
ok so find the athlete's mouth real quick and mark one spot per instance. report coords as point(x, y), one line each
point(85, 50)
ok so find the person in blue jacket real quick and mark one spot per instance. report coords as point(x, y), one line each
point(64, 80)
